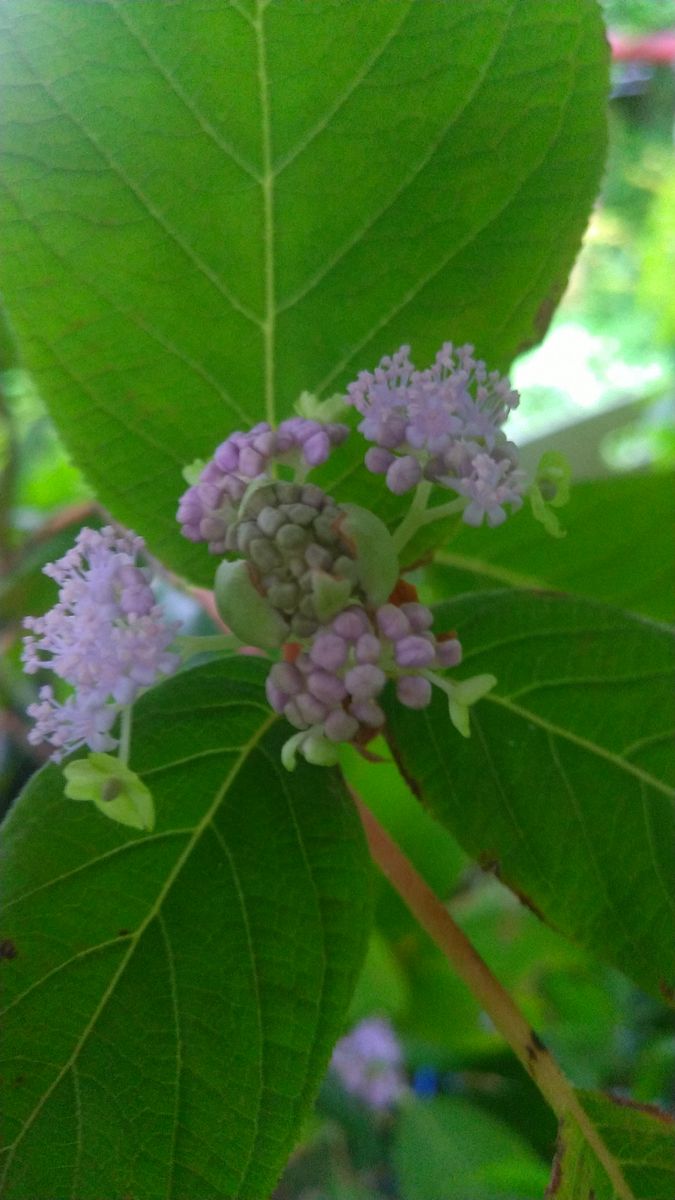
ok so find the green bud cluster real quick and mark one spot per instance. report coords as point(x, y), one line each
point(290, 536)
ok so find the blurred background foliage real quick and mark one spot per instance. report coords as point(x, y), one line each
point(470, 1125)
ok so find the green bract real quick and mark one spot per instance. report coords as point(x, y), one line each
point(113, 788)
point(248, 614)
point(376, 555)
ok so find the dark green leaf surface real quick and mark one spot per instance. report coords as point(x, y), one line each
point(173, 998)
point(210, 207)
point(619, 548)
point(565, 787)
point(641, 1140)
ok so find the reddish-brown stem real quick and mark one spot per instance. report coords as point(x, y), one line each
point(492, 997)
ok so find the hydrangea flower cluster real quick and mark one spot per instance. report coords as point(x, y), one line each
point(369, 1063)
point(330, 690)
point(442, 425)
point(106, 636)
point(209, 507)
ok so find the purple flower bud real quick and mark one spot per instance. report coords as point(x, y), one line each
point(329, 651)
point(368, 648)
point(287, 677)
point(403, 474)
point(265, 443)
point(448, 653)
point(316, 449)
point(421, 618)
point(415, 651)
point(276, 698)
point(367, 712)
point(339, 726)
point(365, 681)
point(311, 710)
point(326, 687)
point(251, 463)
point(413, 690)
point(392, 622)
point(351, 623)
point(227, 456)
point(294, 716)
point(378, 460)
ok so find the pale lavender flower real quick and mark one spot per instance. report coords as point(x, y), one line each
point(106, 636)
point(443, 425)
point(369, 1063)
point(77, 722)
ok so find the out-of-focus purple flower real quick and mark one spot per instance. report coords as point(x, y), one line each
point(209, 506)
point(444, 425)
point(106, 636)
point(369, 1063)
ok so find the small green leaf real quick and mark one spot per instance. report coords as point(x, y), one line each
point(114, 789)
point(565, 788)
point(641, 1141)
point(175, 996)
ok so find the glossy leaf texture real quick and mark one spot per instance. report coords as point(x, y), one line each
point(207, 207)
point(618, 548)
point(641, 1140)
point(565, 788)
point(171, 1000)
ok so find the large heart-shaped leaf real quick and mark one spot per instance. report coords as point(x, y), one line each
point(610, 523)
point(210, 207)
point(171, 999)
point(565, 787)
point(640, 1140)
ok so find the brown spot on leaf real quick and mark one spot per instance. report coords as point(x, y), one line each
point(123, 932)
point(667, 991)
point(18, 1080)
point(535, 1047)
point(8, 949)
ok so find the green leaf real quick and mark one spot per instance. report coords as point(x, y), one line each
point(208, 209)
point(565, 787)
point(641, 1140)
point(618, 548)
point(174, 996)
point(449, 1149)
